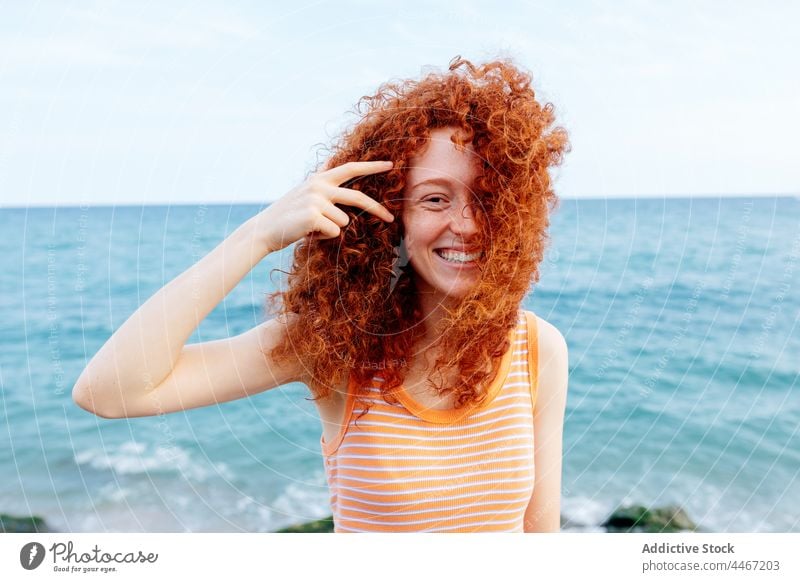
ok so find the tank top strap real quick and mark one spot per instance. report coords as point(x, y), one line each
point(533, 354)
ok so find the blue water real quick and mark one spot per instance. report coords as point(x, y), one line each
point(680, 314)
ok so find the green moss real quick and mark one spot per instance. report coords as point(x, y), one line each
point(638, 518)
point(28, 524)
point(319, 526)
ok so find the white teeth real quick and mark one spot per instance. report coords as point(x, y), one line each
point(457, 256)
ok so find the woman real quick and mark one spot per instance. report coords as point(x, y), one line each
point(442, 401)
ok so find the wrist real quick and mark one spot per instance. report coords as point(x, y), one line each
point(254, 236)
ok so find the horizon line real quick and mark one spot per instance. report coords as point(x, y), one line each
point(256, 203)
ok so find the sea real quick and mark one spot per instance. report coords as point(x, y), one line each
point(680, 314)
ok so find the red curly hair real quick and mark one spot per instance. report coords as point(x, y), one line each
point(343, 317)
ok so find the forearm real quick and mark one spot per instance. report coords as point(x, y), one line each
point(543, 516)
point(145, 349)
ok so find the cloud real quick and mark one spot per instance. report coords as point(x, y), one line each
point(693, 97)
point(98, 36)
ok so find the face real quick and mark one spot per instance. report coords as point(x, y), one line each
point(438, 215)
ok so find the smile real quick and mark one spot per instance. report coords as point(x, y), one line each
point(458, 258)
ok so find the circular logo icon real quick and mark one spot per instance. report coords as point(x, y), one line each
point(31, 555)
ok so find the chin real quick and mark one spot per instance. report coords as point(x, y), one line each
point(455, 293)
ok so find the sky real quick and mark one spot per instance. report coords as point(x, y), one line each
point(217, 102)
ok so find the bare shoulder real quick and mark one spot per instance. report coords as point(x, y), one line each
point(552, 343)
point(553, 364)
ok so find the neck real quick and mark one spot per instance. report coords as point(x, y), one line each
point(433, 312)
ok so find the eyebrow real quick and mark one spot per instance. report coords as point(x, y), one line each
point(435, 181)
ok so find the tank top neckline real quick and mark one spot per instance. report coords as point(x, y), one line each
point(450, 415)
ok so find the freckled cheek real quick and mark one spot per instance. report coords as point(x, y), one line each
point(414, 247)
point(419, 235)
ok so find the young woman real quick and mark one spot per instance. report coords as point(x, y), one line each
point(442, 401)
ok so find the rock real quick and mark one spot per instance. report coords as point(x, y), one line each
point(31, 524)
point(638, 518)
point(319, 526)
point(326, 526)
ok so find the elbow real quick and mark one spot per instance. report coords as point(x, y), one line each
point(84, 398)
point(551, 524)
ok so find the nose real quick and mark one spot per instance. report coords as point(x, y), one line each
point(462, 221)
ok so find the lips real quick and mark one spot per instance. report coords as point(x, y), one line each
point(458, 263)
point(467, 250)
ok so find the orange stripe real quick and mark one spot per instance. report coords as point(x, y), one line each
point(417, 444)
point(404, 468)
point(441, 514)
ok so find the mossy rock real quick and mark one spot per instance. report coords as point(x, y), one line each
point(319, 526)
point(638, 518)
point(27, 524)
point(326, 526)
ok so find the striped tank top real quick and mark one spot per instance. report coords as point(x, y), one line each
point(408, 468)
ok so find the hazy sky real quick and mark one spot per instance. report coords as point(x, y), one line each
point(173, 102)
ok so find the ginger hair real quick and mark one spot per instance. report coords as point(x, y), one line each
point(341, 316)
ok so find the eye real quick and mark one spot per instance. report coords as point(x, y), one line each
point(434, 198)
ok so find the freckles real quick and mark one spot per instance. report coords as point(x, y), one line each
point(412, 248)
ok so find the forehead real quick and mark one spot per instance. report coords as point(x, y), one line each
point(440, 159)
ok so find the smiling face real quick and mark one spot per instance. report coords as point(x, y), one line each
point(439, 218)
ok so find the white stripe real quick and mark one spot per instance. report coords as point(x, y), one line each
point(341, 467)
point(438, 437)
point(372, 393)
point(528, 447)
point(485, 523)
point(442, 429)
point(346, 445)
point(443, 508)
point(429, 489)
point(448, 528)
point(442, 500)
point(433, 478)
point(524, 396)
point(443, 519)
point(471, 418)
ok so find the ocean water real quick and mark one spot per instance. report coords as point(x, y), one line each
point(680, 315)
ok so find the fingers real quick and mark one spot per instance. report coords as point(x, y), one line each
point(350, 170)
point(326, 228)
point(336, 215)
point(361, 200)
point(340, 174)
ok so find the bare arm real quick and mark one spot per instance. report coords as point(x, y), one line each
point(145, 368)
point(146, 349)
point(544, 509)
point(219, 371)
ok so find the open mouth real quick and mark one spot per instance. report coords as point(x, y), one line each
point(457, 257)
